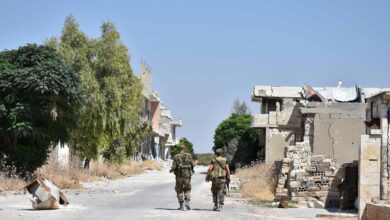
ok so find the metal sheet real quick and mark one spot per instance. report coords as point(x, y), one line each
point(45, 195)
point(340, 94)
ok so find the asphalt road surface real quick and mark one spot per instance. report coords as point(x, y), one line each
point(150, 195)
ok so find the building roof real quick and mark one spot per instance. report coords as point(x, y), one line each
point(339, 94)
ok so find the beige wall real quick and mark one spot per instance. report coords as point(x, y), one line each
point(275, 142)
point(338, 137)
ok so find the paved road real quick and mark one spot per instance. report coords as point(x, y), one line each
point(147, 196)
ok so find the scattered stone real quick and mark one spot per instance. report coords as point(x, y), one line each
point(306, 177)
point(316, 158)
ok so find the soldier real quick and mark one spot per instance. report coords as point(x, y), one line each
point(219, 173)
point(183, 168)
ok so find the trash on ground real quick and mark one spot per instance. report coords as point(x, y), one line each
point(45, 195)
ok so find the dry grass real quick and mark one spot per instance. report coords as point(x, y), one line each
point(71, 178)
point(257, 181)
point(11, 184)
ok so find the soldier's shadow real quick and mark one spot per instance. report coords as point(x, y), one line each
point(170, 209)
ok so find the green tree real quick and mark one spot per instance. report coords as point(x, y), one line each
point(38, 100)
point(189, 148)
point(238, 140)
point(123, 91)
point(109, 121)
point(76, 50)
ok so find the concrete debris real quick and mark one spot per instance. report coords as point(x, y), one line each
point(45, 195)
point(307, 181)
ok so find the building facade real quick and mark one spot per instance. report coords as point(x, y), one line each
point(163, 124)
point(331, 144)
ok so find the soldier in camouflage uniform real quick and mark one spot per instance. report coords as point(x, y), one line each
point(183, 168)
point(219, 173)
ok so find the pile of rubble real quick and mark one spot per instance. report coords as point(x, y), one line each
point(308, 179)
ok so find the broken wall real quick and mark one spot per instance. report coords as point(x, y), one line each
point(337, 128)
point(308, 180)
point(276, 140)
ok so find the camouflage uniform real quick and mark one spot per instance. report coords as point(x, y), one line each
point(218, 180)
point(183, 166)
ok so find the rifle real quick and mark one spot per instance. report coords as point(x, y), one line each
point(227, 184)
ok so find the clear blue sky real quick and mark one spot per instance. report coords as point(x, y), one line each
point(204, 54)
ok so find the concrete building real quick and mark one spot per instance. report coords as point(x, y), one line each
point(163, 124)
point(168, 127)
point(332, 125)
point(331, 143)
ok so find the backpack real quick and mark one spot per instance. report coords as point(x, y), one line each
point(219, 168)
point(185, 167)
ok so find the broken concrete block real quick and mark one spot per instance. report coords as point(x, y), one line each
point(316, 158)
point(313, 188)
point(285, 169)
point(294, 184)
point(318, 204)
point(45, 195)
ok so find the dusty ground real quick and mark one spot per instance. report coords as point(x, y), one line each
point(147, 196)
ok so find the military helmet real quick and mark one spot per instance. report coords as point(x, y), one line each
point(182, 147)
point(219, 151)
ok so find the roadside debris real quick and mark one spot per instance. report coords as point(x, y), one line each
point(45, 195)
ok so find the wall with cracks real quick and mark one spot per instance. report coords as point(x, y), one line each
point(337, 129)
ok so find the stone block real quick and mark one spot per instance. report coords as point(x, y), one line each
point(321, 193)
point(294, 184)
point(316, 158)
point(375, 131)
point(324, 188)
point(314, 188)
point(329, 173)
point(285, 170)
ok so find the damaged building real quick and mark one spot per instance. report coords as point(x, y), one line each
point(158, 146)
point(316, 137)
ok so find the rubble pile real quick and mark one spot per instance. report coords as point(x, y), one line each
point(308, 179)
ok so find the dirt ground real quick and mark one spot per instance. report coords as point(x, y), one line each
point(149, 195)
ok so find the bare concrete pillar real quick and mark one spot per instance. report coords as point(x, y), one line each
point(369, 171)
point(309, 129)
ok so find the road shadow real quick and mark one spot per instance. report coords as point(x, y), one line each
point(36, 210)
point(170, 209)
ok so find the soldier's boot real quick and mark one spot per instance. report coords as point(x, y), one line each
point(216, 208)
point(181, 208)
point(187, 204)
point(220, 207)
